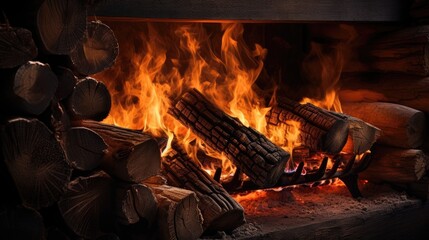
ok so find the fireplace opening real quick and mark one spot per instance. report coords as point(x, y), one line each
point(289, 122)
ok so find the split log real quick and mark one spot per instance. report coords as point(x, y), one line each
point(400, 126)
point(135, 203)
point(407, 90)
point(87, 204)
point(66, 82)
point(19, 222)
point(16, 47)
point(84, 148)
point(132, 155)
point(261, 160)
point(36, 162)
point(402, 51)
point(29, 89)
point(319, 129)
point(219, 210)
point(90, 100)
point(179, 216)
point(395, 165)
point(97, 51)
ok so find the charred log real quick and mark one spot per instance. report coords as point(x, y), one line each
point(250, 151)
point(219, 210)
point(36, 162)
point(320, 130)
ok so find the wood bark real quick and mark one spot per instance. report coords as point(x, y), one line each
point(16, 46)
point(19, 222)
point(87, 204)
point(249, 150)
point(219, 210)
point(408, 90)
point(395, 165)
point(36, 162)
point(179, 216)
point(132, 155)
point(402, 51)
point(135, 203)
point(29, 88)
point(97, 51)
point(400, 126)
point(319, 129)
point(90, 100)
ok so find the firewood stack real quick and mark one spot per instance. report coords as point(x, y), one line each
point(386, 83)
point(66, 174)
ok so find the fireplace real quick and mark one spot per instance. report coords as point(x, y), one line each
point(215, 119)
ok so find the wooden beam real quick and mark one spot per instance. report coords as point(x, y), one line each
point(255, 10)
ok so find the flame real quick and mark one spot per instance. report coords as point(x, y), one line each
point(162, 60)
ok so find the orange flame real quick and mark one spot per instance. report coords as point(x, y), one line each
point(162, 60)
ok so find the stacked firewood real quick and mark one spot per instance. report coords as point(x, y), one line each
point(386, 84)
point(66, 174)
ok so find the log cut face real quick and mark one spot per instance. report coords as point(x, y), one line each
point(16, 47)
point(220, 211)
point(250, 151)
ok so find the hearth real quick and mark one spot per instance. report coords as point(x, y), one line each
point(214, 120)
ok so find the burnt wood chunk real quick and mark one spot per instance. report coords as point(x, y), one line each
point(16, 46)
point(35, 161)
point(87, 204)
point(395, 165)
point(90, 100)
point(320, 130)
point(261, 160)
point(400, 126)
point(219, 210)
point(131, 156)
point(97, 51)
point(179, 216)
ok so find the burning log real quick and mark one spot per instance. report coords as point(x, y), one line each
point(97, 51)
point(132, 155)
point(219, 210)
point(261, 160)
point(90, 100)
point(19, 222)
point(84, 148)
point(178, 214)
point(407, 90)
point(400, 126)
point(30, 88)
point(319, 129)
point(87, 204)
point(395, 165)
point(35, 161)
point(402, 51)
point(16, 46)
point(135, 203)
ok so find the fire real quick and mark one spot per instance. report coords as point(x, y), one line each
point(162, 60)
